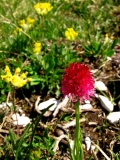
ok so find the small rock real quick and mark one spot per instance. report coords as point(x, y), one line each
point(106, 103)
point(59, 132)
point(47, 103)
point(5, 107)
point(88, 143)
point(113, 117)
point(87, 102)
point(86, 107)
point(20, 120)
point(15, 116)
point(5, 104)
point(100, 86)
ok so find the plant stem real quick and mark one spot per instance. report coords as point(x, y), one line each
point(78, 150)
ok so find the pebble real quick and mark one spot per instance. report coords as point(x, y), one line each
point(20, 120)
point(86, 107)
point(106, 103)
point(113, 117)
point(100, 86)
point(47, 103)
point(88, 143)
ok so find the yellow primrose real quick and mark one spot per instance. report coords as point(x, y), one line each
point(70, 34)
point(37, 48)
point(43, 8)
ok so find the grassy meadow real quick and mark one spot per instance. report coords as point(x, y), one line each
point(36, 46)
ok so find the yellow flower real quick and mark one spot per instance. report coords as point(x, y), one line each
point(27, 24)
point(29, 79)
point(7, 78)
point(7, 69)
point(17, 30)
point(16, 80)
point(23, 24)
point(70, 34)
point(43, 8)
point(37, 48)
point(24, 75)
point(17, 71)
point(108, 39)
point(30, 20)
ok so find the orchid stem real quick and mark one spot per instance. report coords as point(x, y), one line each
point(78, 150)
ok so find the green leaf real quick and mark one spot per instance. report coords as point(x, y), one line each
point(13, 138)
point(114, 43)
point(109, 53)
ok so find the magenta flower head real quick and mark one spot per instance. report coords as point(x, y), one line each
point(77, 82)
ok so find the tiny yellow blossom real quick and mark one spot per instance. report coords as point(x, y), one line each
point(17, 71)
point(112, 37)
point(37, 48)
point(23, 24)
point(29, 79)
point(16, 80)
point(43, 8)
point(108, 39)
point(17, 30)
point(30, 20)
point(70, 34)
point(106, 35)
point(27, 24)
point(7, 69)
point(24, 75)
point(8, 76)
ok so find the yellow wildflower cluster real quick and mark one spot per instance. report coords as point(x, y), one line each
point(43, 8)
point(27, 24)
point(108, 39)
point(37, 48)
point(17, 30)
point(16, 80)
point(70, 34)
